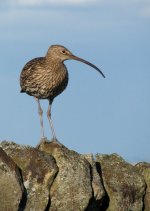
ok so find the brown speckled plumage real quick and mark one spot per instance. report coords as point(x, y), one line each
point(46, 77)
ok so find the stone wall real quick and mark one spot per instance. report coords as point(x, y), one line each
point(54, 178)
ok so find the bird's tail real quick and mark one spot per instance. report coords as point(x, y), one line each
point(22, 91)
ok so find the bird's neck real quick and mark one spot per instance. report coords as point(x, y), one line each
point(52, 60)
point(55, 64)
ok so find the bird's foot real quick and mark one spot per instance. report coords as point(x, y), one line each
point(55, 141)
point(43, 139)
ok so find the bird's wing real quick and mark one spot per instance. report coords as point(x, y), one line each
point(29, 70)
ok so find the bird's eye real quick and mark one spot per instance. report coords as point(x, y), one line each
point(63, 51)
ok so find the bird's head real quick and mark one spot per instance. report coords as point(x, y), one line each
point(61, 54)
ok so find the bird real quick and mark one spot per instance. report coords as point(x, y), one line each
point(46, 77)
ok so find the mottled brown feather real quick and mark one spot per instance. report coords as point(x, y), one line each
point(44, 78)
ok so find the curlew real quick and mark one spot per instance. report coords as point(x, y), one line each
point(46, 77)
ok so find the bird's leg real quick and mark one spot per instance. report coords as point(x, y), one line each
point(50, 120)
point(40, 111)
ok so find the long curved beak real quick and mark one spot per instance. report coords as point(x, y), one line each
point(88, 63)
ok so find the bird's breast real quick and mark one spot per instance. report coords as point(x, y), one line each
point(54, 81)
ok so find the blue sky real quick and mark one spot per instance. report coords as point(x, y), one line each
point(93, 114)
